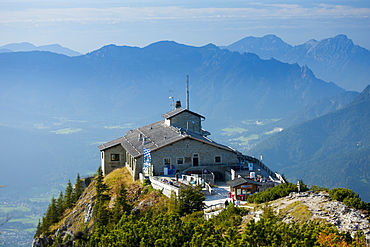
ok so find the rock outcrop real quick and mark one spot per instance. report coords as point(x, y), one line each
point(322, 207)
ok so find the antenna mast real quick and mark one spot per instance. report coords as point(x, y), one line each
point(173, 100)
point(187, 92)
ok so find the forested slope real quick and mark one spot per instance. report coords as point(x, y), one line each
point(118, 212)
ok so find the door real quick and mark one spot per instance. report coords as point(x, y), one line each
point(195, 160)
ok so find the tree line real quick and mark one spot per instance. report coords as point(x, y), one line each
point(58, 206)
point(179, 221)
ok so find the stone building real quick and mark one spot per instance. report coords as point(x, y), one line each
point(178, 143)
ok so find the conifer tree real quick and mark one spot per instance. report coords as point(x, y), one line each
point(190, 199)
point(102, 197)
point(77, 191)
point(60, 205)
point(68, 195)
point(121, 205)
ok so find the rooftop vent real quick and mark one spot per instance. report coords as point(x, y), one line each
point(178, 104)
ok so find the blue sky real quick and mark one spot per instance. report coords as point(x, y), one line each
point(85, 26)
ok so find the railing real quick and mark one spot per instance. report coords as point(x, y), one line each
point(166, 188)
point(208, 188)
point(258, 162)
point(213, 210)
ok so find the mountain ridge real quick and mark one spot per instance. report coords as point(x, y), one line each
point(26, 46)
point(335, 143)
point(335, 59)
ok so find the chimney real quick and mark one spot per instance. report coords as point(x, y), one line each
point(178, 104)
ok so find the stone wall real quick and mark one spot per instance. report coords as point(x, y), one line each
point(187, 120)
point(164, 187)
point(107, 163)
point(186, 149)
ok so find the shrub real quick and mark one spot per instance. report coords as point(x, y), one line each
point(348, 197)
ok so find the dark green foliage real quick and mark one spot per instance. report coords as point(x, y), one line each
point(318, 188)
point(146, 182)
point(121, 205)
point(267, 232)
point(348, 197)
point(190, 199)
point(223, 230)
point(57, 207)
point(101, 212)
point(120, 227)
point(68, 195)
point(276, 192)
point(78, 189)
point(230, 217)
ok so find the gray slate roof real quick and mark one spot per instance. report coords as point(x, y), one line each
point(155, 136)
point(240, 181)
point(177, 111)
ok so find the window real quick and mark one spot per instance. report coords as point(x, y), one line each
point(114, 157)
point(167, 161)
point(180, 161)
point(217, 159)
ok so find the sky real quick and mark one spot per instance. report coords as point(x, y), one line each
point(85, 26)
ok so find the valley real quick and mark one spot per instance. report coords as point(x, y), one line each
point(57, 109)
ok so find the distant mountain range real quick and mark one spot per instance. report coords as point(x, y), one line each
point(114, 80)
point(25, 46)
point(331, 151)
point(84, 100)
point(334, 59)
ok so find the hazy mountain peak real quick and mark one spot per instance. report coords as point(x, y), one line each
point(336, 44)
point(335, 59)
point(272, 37)
point(23, 46)
point(26, 46)
point(163, 43)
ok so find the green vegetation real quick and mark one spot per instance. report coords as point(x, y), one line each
point(58, 206)
point(234, 130)
point(7, 209)
point(349, 198)
point(226, 229)
point(245, 140)
point(190, 199)
point(27, 220)
point(141, 216)
point(276, 192)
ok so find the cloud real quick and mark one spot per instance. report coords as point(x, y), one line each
point(49, 16)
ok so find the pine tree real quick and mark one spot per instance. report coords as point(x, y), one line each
point(101, 213)
point(77, 191)
point(121, 205)
point(191, 199)
point(68, 195)
point(60, 205)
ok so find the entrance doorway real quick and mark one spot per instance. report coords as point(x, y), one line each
point(195, 160)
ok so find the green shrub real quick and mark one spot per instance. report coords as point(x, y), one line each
point(348, 197)
point(276, 192)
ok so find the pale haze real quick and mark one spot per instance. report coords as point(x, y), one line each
point(85, 26)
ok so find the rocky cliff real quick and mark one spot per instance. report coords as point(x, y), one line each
point(319, 206)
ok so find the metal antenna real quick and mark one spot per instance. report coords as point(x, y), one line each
point(173, 100)
point(187, 92)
